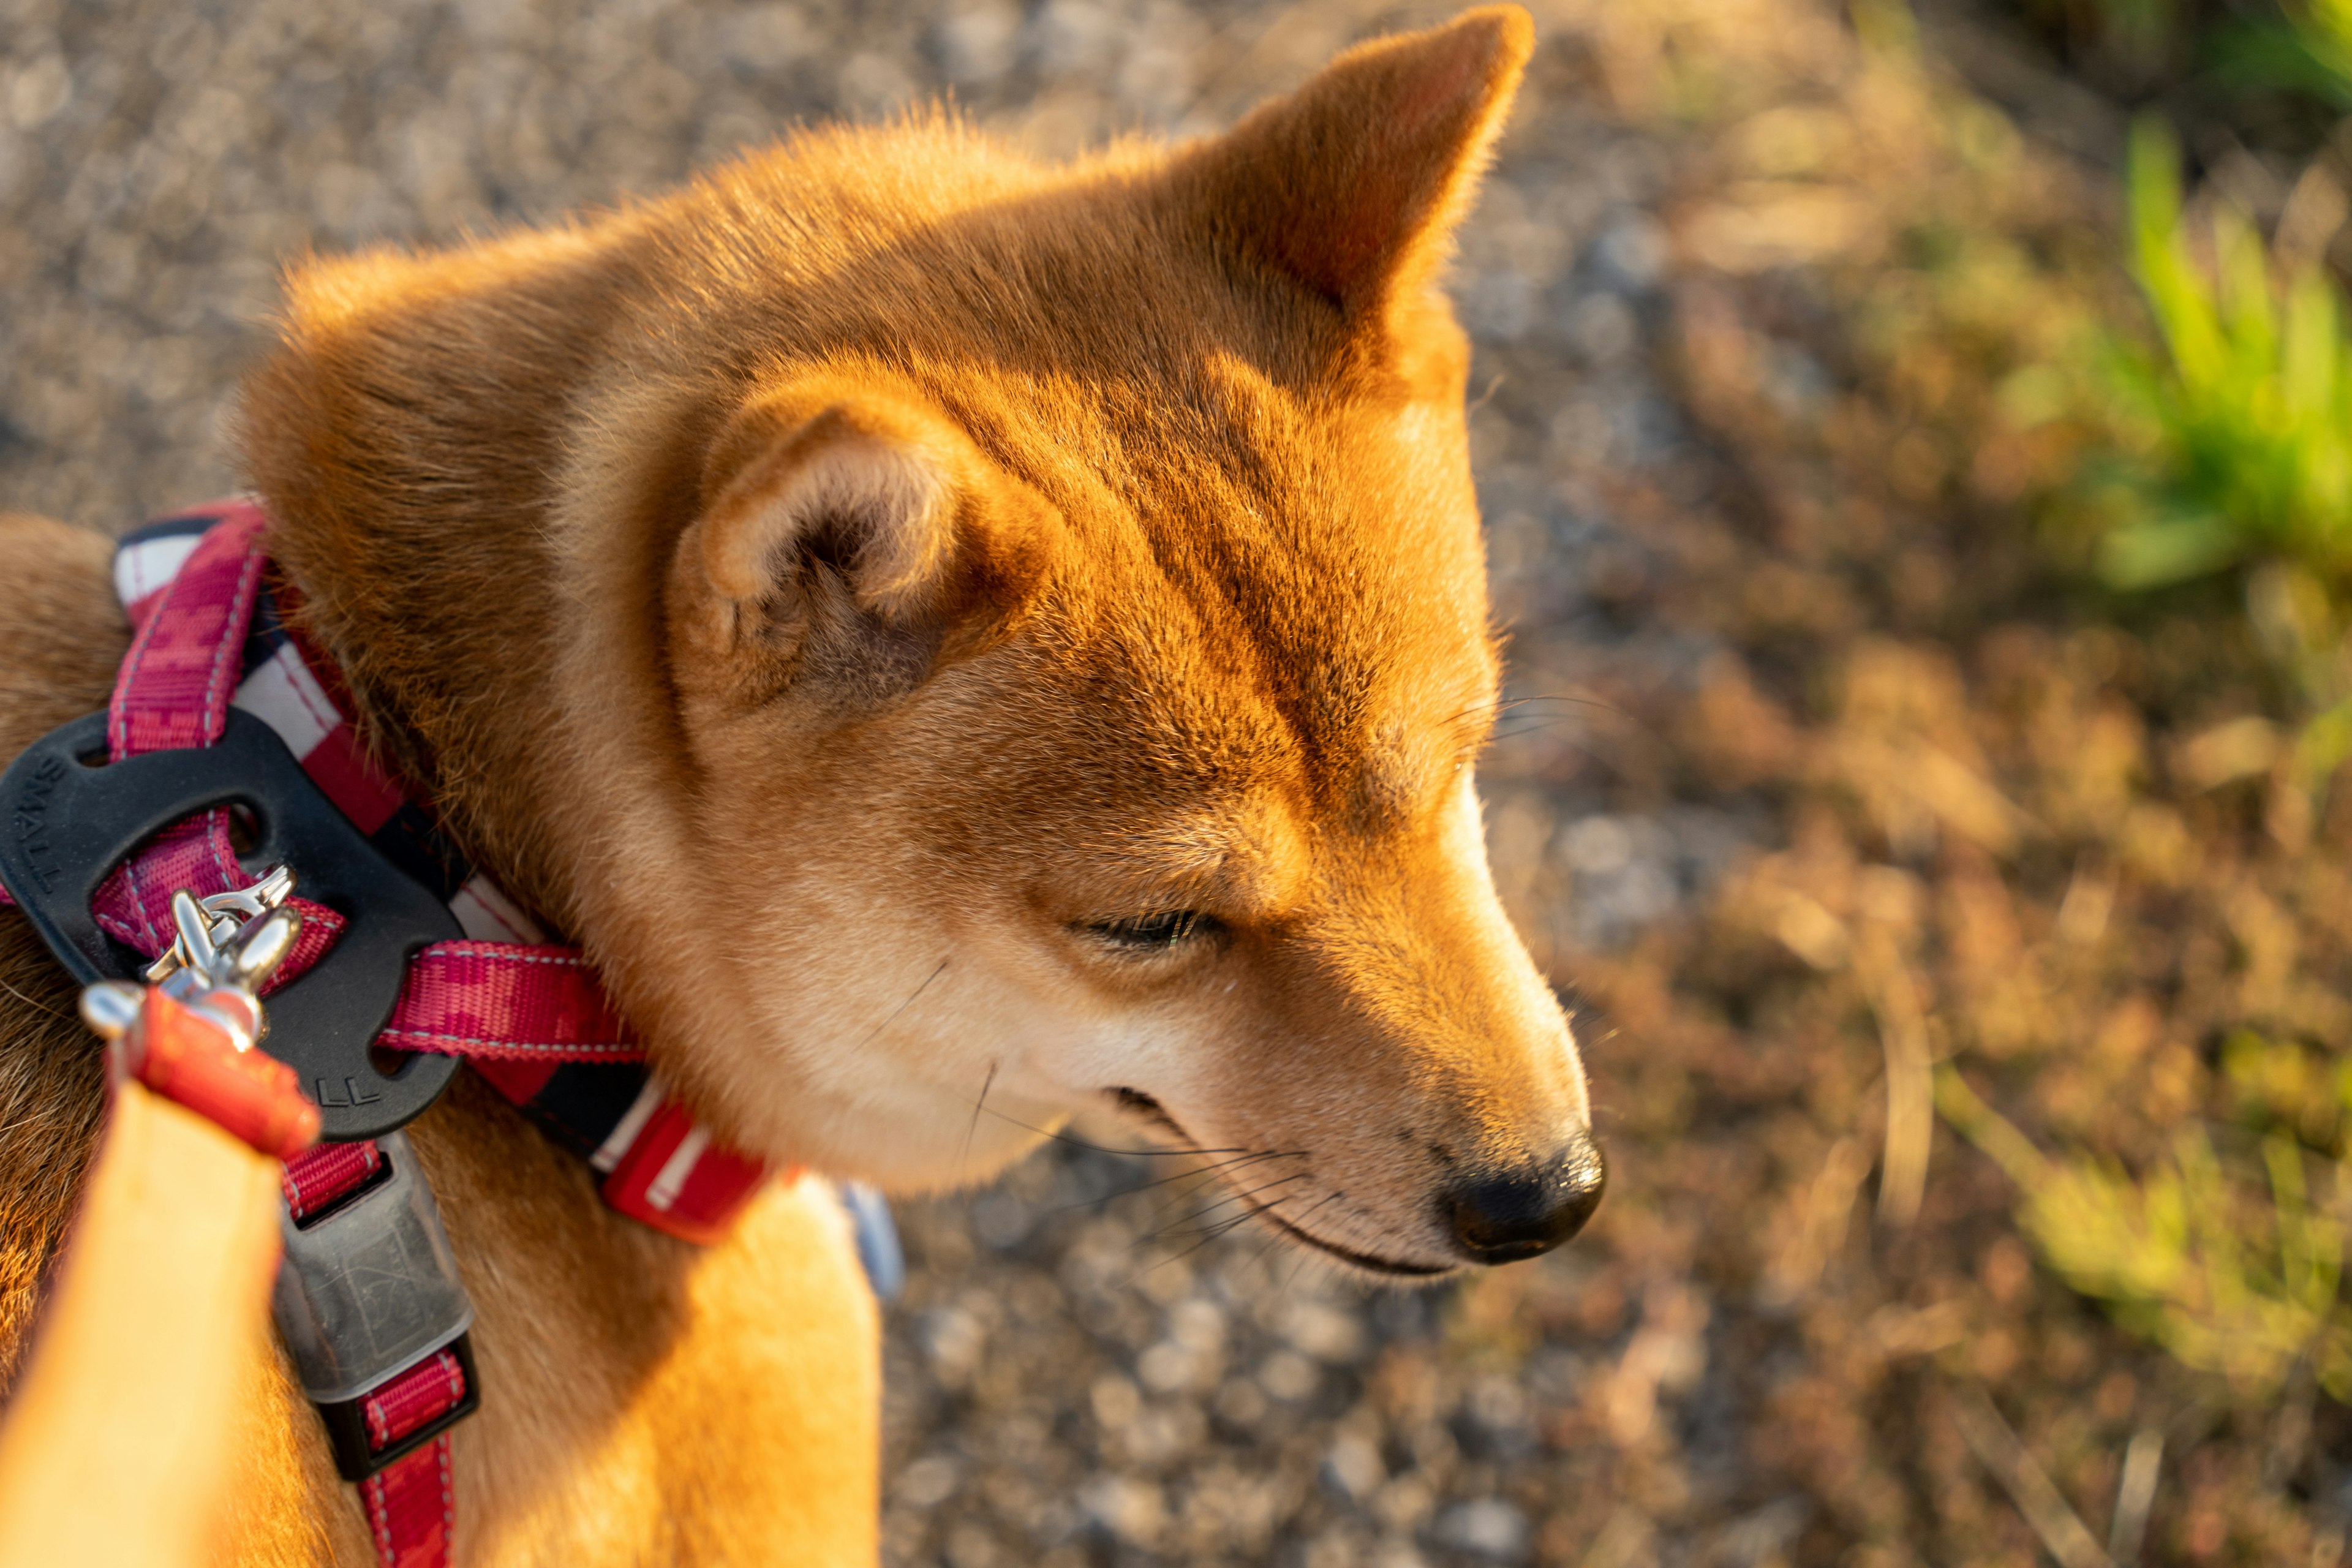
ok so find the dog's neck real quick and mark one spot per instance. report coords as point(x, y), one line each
point(411, 482)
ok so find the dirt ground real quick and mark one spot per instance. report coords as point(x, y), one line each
point(1822, 768)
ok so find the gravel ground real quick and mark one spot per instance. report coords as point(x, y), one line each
point(1087, 1366)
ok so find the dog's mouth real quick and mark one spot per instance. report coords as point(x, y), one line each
point(1144, 1108)
point(1363, 1260)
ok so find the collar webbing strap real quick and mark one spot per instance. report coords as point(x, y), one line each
point(528, 1015)
point(412, 1508)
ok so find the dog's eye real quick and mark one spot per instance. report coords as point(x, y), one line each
point(1155, 933)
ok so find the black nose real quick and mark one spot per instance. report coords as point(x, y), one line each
point(1504, 1217)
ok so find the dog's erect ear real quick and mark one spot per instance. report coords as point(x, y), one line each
point(846, 533)
point(1352, 184)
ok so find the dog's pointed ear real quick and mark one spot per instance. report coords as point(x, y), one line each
point(848, 534)
point(1352, 184)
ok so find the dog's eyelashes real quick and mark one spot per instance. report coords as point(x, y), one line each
point(1161, 932)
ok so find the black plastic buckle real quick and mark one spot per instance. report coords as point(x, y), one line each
point(347, 1423)
point(71, 821)
point(369, 1286)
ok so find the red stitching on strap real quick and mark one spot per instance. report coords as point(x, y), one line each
point(176, 684)
point(411, 1507)
point(480, 1047)
point(326, 1171)
point(175, 691)
point(429, 1389)
point(507, 1001)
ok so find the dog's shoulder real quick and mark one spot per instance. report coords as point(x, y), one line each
point(61, 637)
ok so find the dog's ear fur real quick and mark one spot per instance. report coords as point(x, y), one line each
point(847, 534)
point(1352, 184)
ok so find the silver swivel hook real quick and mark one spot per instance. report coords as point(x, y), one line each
point(225, 942)
point(205, 928)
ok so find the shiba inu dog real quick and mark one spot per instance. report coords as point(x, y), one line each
point(957, 641)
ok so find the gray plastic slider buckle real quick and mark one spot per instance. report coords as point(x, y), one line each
point(367, 1288)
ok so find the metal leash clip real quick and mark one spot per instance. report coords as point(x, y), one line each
point(230, 912)
point(191, 1037)
point(216, 965)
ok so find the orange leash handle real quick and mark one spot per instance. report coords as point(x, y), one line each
point(184, 1056)
point(123, 1437)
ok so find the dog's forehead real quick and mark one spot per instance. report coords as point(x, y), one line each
point(1279, 597)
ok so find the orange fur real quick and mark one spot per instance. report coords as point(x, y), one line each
point(840, 594)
